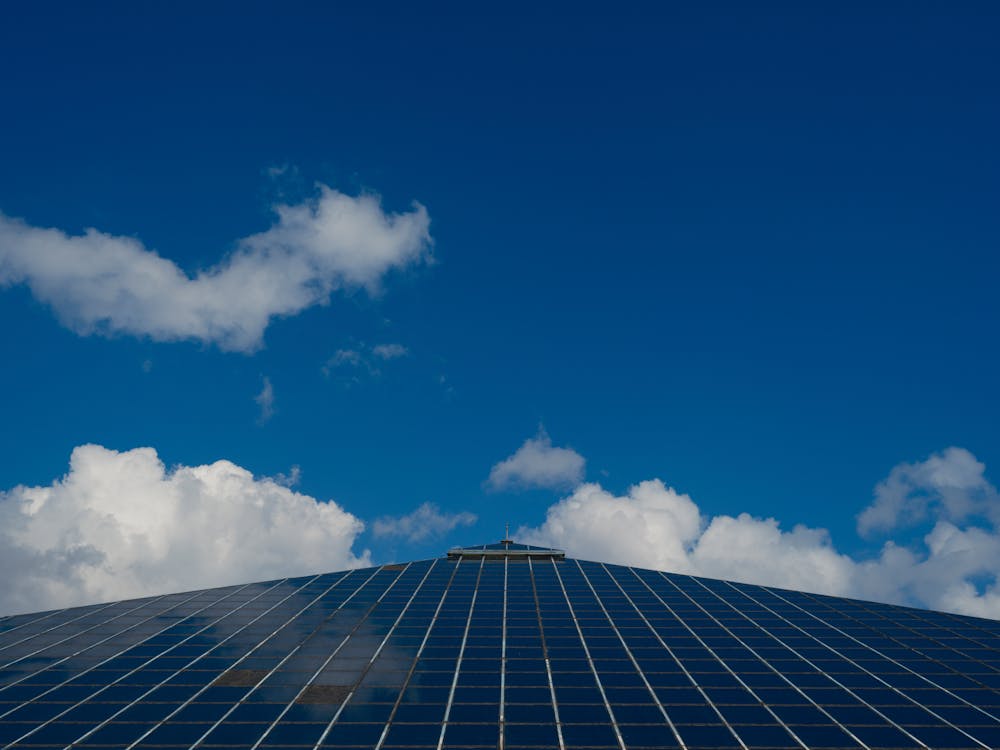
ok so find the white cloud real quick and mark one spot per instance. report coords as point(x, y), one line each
point(950, 484)
point(101, 283)
point(758, 550)
point(265, 400)
point(654, 526)
point(120, 525)
point(350, 363)
point(390, 351)
point(346, 359)
point(425, 522)
point(291, 479)
point(537, 463)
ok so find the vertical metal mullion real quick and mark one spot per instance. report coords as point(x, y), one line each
point(416, 658)
point(326, 661)
point(699, 688)
point(270, 609)
point(503, 660)
point(666, 647)
point(545, 654)
point(730, 670)
point(374, 656)
point(131, 672)
point(895, 724)
point(461, 653)
point(631, 657)
point(766, 662)
point(872, 674)
point(590, 661)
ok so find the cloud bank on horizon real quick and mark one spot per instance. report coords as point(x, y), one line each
point(119, 525)
point(101, 283)
point(655, 526)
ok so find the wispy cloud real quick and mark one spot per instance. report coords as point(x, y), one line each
point(390, 351)
point(538, 463)
point(953, 566)
point(291, 479)
point(350, 364)
point(423, 523)
point(102, 283)
point(120, 524)
point(265, 401)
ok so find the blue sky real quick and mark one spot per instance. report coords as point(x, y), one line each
point(749, 251)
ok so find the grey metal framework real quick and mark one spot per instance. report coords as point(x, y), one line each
point(498, 646)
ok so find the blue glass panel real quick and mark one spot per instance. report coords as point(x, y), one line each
point(32, 712)
point(531, 735)
point(638, 713)
point(172, 733)
point(584, 713)
point(693, 714)
point(295, 734)
point(54, 733)
point(535, 713)
point(820, 736)
point(708, 736)
point(648, 736)
point(589, 735)
point(413, 734)
point(474, 713)
point(472, 734)
point(884, 736)
point(244, 735)
point(766, 735)
point(528, 695)
point(353, 734)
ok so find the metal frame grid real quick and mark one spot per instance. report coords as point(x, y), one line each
point(515, 653)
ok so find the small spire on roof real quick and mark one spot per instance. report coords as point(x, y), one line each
point(506, 535)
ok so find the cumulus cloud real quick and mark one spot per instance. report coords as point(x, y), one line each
point(951, 485)
point(425, 522)
point(654, 526)
point(538, 463)
point(120, 524)
point(265, 401)
point(102, 283)
point(951, 567)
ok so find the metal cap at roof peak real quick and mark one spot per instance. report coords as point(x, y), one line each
point(507, 548)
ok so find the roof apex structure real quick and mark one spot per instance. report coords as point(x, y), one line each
point(506, 548)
